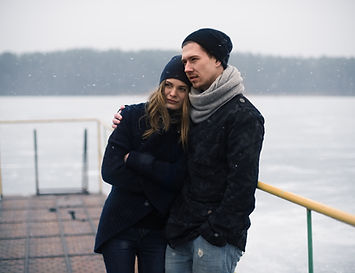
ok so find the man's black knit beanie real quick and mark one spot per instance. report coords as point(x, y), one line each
point(175, 70)
point(215, 42)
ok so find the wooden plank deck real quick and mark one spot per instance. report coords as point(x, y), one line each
point(50, 233)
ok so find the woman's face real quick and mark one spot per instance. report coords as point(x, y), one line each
point(175, 92)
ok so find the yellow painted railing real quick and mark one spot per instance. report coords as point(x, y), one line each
point(310, 205)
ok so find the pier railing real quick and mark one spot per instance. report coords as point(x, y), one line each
point(101, 129)
point(310, 206)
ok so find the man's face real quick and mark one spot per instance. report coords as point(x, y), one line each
point(200, 68)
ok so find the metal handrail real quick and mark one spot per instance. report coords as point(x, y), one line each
point(99, 123)
point(49, 120)
point(309, 205)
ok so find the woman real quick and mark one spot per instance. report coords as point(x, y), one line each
point(144, 162)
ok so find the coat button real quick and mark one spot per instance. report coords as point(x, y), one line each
point(209, 211)
point(146, 203)
point(242, 100)
point(216, 235)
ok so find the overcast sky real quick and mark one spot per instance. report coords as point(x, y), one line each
point(307, 28)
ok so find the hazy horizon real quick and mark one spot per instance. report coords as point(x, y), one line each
point(278, 28)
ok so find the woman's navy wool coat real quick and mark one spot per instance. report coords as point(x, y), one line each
point(149, 180)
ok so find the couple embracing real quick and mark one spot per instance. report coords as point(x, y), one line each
point(183, 168)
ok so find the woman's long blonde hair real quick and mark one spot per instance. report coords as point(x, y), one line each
point(158, 116)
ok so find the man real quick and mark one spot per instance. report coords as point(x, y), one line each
point(207, 227)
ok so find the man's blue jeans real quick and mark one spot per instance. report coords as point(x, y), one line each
point(199, 256)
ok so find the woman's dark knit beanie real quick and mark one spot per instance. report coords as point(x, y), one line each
point(175, 70)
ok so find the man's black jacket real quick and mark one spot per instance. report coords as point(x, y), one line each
point(223, 166)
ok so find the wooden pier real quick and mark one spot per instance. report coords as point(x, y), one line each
point(50, 233)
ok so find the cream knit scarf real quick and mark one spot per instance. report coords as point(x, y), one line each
point(224, 88)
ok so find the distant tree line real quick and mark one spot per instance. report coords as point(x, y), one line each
point(115, 72)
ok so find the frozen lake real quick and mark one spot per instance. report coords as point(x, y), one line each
point(309, 149)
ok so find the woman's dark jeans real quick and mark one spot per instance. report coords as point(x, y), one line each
point(147, 244)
